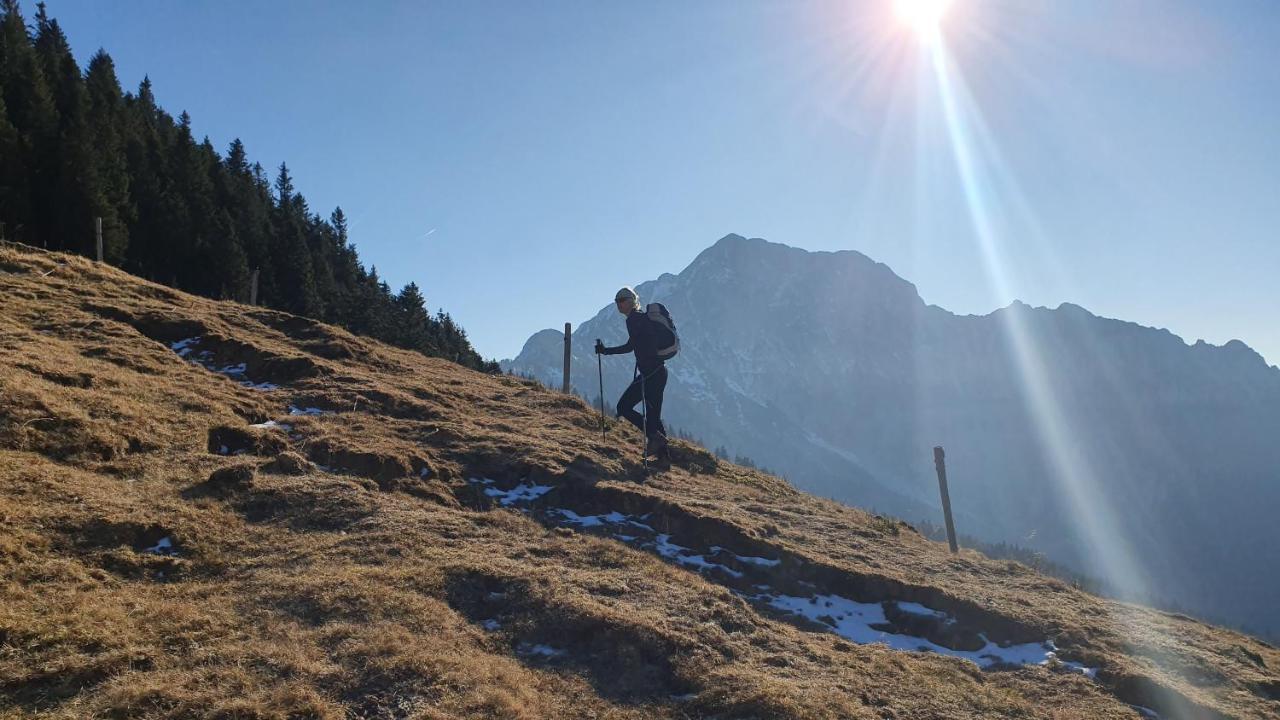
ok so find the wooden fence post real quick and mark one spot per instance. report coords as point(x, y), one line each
point(253, 288)
point(939, 462)
point(97, 225)
point(568, 352)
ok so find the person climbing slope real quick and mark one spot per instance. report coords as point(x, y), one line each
point(651, 336)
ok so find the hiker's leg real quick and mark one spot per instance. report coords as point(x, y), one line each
point(653, 390)
point(627, 404)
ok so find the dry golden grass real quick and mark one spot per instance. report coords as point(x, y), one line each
point(346, 568)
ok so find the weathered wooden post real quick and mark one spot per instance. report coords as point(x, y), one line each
point(939, 462)
point(253, 288)
point(568, 352)
point(97, 226)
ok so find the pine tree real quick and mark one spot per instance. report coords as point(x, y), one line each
point(242, 194)
point(12, 180)
point(284, 187)
point(413, 322)
point(106, 121)
point(146, 153)
point(31, 111)
point(290, 253)
point(78, 196)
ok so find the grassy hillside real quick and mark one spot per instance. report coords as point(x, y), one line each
point(214, 510)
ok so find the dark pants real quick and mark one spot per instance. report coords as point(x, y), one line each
point(646, 388)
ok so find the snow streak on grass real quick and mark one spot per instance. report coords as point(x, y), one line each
point(186, 349)
point(864, 623)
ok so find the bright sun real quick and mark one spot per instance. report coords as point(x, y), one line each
point(923, 16)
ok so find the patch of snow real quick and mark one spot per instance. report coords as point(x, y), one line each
point(272, 424)
point(700, 562)
point(854, 621)
point(223, 450)
point(163, 546)
point(667, 549)
point(481, 481)
point(186, 349)
point(642, 525)
point(918, 609)
point(538, 649)
point(424, 472)
point(491, 625)
point(661, 544)
point(1091, 673)
point(766, 562)
point(237, 369)
point(295, 410)
point(612, 518)
point(519, 493)
point(183, 347)
point(1146, 712)
point(749, 559)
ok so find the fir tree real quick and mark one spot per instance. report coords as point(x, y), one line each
point(106, 122)
point(31, 110)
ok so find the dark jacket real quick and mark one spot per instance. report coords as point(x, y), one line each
point(641, 341)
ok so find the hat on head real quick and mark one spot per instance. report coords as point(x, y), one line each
point(626, 293)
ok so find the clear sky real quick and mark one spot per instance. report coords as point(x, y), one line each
point(521, 160)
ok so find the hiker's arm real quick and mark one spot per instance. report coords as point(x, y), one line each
point(619, 350)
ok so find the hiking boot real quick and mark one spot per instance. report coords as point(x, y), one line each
point(656, 447)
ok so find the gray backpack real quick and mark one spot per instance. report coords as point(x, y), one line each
point(664, 330)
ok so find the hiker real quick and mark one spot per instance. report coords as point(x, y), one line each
point(643, 337)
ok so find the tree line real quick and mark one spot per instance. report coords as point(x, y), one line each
point(74, 147)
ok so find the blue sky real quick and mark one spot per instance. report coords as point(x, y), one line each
point(520, 161)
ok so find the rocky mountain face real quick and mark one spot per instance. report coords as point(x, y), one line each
point(1082, 437)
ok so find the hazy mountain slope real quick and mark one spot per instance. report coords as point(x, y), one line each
point(832, 370)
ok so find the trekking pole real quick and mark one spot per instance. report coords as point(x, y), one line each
point(600, 368)
point(644, 411)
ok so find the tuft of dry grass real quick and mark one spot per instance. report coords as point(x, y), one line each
point(345, 565)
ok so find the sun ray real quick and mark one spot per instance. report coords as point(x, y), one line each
point(1076, 480)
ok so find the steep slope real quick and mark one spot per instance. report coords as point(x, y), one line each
point(213, 510)
point(829, 368)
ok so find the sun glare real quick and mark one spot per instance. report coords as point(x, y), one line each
point(924, 16)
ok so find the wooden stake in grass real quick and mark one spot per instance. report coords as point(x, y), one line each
point(568, 352)
point(600, 370)
point(97, 226)
point(253, 288)
point(939, 462)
